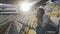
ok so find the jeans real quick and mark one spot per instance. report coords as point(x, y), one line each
point(40, 30)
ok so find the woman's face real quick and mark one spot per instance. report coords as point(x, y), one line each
point(39, 14)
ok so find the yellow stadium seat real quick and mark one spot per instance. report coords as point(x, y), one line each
point(32, 31)
point(23, 33)
point(26, 30)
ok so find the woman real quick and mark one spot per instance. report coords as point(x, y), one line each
point(40, 14)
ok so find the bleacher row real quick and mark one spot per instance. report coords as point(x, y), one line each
point(24, 28)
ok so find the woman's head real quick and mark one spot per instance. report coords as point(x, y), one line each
point(40, 12)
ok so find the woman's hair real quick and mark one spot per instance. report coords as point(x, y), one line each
point(41, 11)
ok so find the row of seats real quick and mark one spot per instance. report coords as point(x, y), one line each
point(27, 30)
